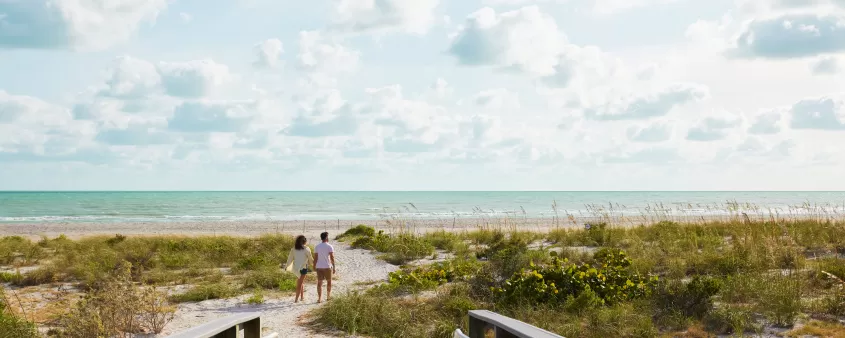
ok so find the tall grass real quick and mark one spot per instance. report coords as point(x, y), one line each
point(731, 275)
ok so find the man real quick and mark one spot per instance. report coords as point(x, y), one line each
point(324, 258)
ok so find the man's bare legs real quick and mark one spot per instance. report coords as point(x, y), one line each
point(319, 290)
point(328, 289)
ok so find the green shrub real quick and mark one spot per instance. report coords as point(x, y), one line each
point(430, 276)
point(609, 278)
point(256, 298)
point(398, 249)
point(781, 299)
point(359, 230)
point(268, 278)
point(207, 291)
point(12, 325)
point(730, 319)
point(686, 300)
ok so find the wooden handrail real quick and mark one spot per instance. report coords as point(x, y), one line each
point(226, 327)
point(480, 321)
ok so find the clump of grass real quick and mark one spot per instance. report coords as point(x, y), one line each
point(397, 249)
point(12, 324)
point(359, 230)
point(268, 279)
point(256, 298)
point(203, 292)
point(117, 308)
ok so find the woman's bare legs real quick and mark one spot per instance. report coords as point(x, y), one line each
point(300, 289)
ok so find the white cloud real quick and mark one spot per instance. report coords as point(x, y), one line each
point(649, 105)
point(767, 123)
point(268, 53)
point(73, 24)
point(34, 130)
point(792, 36)
point(652, 133)
point(496, 99)
point(230, 116)
point(524, 39)
point(825, 66)
point(713, 128)
point(821, 114)
point(132, 78)
point(318, 55)
point(193, 79)
point(362, 16)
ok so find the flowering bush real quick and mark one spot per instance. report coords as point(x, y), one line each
point(609, 278)
point(429, 277)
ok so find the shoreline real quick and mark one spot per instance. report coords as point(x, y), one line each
point(335, 227)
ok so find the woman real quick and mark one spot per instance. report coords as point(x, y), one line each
point(300, 259)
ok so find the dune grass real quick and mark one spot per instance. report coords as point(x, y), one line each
point(738, 276)
point(211, 268)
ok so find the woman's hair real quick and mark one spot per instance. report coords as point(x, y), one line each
point(300, 242)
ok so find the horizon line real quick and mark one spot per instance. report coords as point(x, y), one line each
point(414, 191)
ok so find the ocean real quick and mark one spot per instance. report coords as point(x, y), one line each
point(18, 207)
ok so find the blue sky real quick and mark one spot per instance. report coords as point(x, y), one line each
point(422, 95)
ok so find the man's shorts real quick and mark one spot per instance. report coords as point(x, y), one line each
point(324, 274)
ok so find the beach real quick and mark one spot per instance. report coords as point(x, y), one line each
point(312, 228)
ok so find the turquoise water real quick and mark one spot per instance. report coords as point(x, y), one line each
point(187, 206)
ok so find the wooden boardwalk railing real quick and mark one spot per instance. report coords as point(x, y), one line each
point(227, 327)
point(480, 322)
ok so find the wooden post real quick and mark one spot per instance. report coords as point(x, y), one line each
point(252, 328)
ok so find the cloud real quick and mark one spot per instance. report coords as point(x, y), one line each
point(441, 89)
point(228, 116)
point(766, 124)
point(318, 55)
point(656, 155)
point(646, 106)
point(496, 99)
point(342, 125)
point(322, 115)
point(135, 134)
point(31, 112)
point(825, 66)
point(73, 24)
point(364, 16)
point(791, 36)
point(524, 39)
point(268, 53)
point(193, 79)
point(32, 129)
point(655, 132)
point(712, 129)
point(132, 78)
point(820, 114)
point(588, 64)
point(754, 146)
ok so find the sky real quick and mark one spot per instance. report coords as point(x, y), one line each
point(422, 95)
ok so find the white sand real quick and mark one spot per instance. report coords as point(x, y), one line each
point(252, 228)
point(282, 315)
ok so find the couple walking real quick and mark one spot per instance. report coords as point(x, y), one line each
point(300, 259)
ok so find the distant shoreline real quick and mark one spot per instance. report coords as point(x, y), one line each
point(312, 228)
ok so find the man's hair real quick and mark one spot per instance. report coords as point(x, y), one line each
point(324, 236)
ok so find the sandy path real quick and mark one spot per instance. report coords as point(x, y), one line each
point(282, 315)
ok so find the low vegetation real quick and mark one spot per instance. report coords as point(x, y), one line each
point(122, 282)
point(731, 277)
